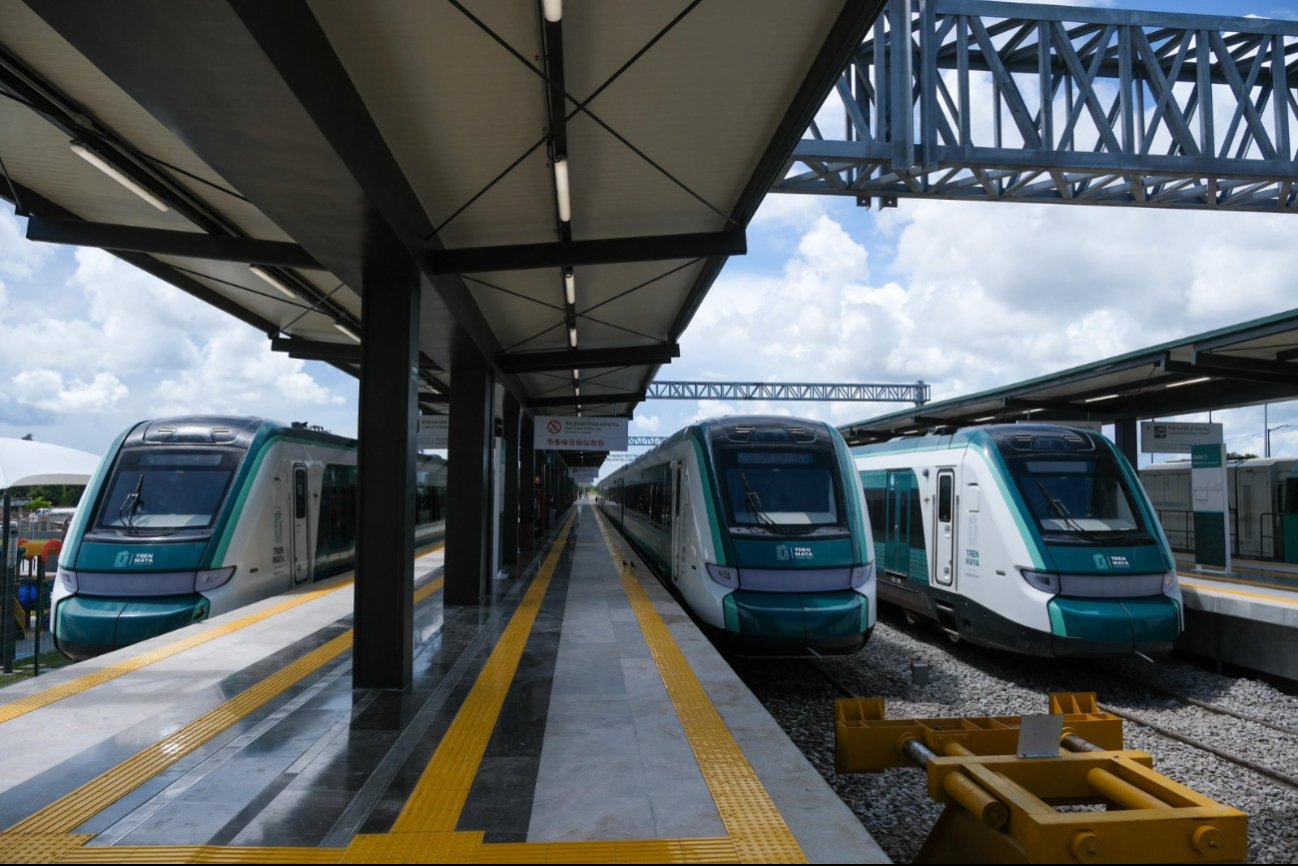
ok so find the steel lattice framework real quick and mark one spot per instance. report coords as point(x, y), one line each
point(1036, 103)
point(644, 441)
point(918, 393)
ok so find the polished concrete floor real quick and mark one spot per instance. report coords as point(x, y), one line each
point(578, 707)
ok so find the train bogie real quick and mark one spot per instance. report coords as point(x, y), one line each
point(756, 526)
point(1031, 538)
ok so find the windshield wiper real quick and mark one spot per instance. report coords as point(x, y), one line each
point(1062, 510)
point(755, 506)
point(132, 504)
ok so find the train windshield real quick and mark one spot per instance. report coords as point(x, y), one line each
point(789, 491)
point(1079, 498)
point(166, 490)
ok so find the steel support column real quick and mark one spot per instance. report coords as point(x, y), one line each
point(385, 554)
point(526, 484)
point(509, 520)
point(468, 483)
point(1125, 437)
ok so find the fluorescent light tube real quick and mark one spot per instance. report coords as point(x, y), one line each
point(284, 290)
point(80, 149)
point(553, 10)
point(346, 330)
point(1190, 382)
point(572, 336)
point(1104, 397)
point(569, 287)
point(561, 188)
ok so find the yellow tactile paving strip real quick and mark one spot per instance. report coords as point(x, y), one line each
point(36, 700)
point(1291, 599)
point(754, 824)
point(425, 830)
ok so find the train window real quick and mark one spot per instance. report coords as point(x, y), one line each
point(299, 493)
point(945, 483)
point(165, 489)
point(336, 527)
point(1291, 496)
point(791, 487)
point(1078, 500)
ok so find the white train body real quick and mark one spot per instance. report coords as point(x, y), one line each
point(1027, 537)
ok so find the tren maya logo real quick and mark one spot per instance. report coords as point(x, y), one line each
point(123, 558)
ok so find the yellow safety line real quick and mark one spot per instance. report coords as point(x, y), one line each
point(72, 810)
point(36, 700)
point(1238, 580)
point(753, 822)
point(1201, 587)
point(439, 796)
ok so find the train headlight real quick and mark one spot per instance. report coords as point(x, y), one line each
point(724, 575)
point(862, 574)
point(1169, 582)
point(212, 578)
point(1042, 580)
point(68, 578)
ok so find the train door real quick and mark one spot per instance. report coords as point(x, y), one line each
point(301, 519)
point(896, 557)
point(678, 530)
point(944, 529)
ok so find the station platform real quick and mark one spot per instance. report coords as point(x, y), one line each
point(1247, 616)
point(578, 716)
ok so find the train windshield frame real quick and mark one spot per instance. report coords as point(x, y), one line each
point(156, 491)
point(782, 490)
point(1077, 494)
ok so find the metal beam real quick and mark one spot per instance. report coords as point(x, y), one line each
point(584, 359)
point(606, 251)
point(1206, 368)
point(586, 400)
point(1234, 363)
point(317, 350)
point(168, 243)
point(917, 393)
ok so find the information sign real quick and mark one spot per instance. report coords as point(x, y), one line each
point(558, 433)
point(1163, 437)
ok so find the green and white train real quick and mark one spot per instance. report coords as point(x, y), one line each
point(757, 526)
point(187, 518)
point(1027, 537)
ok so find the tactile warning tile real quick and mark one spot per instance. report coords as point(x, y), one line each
point(751, 819)
point(630, 851)
point(413, 848)
point(201, 854)
point(14, 709)
point(38, 847)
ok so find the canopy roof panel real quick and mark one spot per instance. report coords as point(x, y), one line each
point(405, 130)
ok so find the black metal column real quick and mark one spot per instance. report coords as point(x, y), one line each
point(526, 484)
point(509, 520)
point(1126, 438)
point(468, 491)
point(385, 551)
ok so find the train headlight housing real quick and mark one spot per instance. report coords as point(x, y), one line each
point(862, 574)
point(1042, 580)
point(68, 578)
point(724, 575)
point(1169, 582)
point(213, 577)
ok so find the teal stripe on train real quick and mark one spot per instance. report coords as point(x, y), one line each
point(795, 554)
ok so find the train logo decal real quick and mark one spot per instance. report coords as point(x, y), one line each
point(1101, 561)
point(785, 553)
point(1119, 561)
point(123, 558)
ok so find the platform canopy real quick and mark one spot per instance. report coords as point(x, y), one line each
point(1240, 365)
point(24, 463)
point(316, 141)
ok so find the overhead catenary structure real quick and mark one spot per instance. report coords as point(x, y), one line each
point(490, 209)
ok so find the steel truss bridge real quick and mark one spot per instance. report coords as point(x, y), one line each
point(917, 393)
point(974, 100)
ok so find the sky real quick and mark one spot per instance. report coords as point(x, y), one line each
point(965, 296)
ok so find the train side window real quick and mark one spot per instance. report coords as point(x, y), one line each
point(678, 491)
point(945, 483)
point(1291, 496)
point(299, 493)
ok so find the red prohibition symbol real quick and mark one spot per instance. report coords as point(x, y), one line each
point(554, 426)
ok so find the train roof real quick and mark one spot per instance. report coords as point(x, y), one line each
point(1029, 432)
point(234, 430)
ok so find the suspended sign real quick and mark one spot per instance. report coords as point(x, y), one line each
point(434, 432)
point(1161, 437)
point(558, 433)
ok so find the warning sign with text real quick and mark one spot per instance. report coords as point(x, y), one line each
point(559, 433)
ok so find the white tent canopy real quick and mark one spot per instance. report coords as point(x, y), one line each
point(23, 463)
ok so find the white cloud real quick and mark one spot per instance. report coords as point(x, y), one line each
point(647, 425)
point(19, 257)
point(46, 389)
